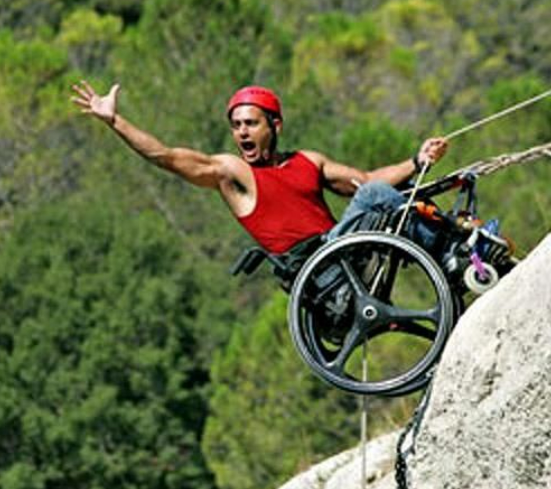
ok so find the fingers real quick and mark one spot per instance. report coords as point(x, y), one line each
point(438, 148)
point(89, 90)
point(83, 94)
point(82, 98)
point(114, 90)
point(86, 93)
point(433, 149)
point(435, 144)
point(81, 102)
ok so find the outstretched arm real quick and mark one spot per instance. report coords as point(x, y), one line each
point(345, 179)
point(196, 167)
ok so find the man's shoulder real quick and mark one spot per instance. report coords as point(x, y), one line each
point(314, 156)
point(231, 166)
point(228, 160)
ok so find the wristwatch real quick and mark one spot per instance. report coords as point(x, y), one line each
point(418, 164)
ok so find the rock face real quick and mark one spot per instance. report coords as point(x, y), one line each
point(343, 471)
point(488, 423)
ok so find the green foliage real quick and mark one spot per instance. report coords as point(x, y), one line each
point(291, 418)
point(333, 40)
point(129, 10)
point(346, 34)
point(27, 71)
point(99, 387)
point(89, 37)
point(31, 111)
point(376, 142)
point(111, 322)
point(27, 18)
point(403, 60)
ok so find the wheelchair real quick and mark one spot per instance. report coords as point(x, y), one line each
point(370, 312)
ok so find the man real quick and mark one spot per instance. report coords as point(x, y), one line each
point(277, 197)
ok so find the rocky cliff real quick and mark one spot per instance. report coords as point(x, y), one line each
point(488, 423)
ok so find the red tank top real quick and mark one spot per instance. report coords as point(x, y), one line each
point(289, 205)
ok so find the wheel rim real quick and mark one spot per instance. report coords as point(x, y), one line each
point(377, 311)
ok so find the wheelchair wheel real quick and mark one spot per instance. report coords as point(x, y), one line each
point(376, 296)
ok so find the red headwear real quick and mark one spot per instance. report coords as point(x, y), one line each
point(255, 95)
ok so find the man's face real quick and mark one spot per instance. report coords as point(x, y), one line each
point(251, 132)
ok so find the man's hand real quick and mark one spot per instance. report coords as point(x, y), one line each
point(104, 108)
point(432, 150)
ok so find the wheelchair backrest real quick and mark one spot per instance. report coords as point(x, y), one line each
point(285, 265)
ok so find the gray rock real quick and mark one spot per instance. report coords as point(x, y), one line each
point(488, 424)
point(344, 470)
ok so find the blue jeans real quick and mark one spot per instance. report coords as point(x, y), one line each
point(379, 197)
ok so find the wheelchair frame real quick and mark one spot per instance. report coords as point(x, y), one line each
point(342, 298)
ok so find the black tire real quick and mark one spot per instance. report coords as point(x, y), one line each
point(375, 317)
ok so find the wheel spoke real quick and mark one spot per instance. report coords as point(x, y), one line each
point(397, 314)
point(389, 280)
point(351, 341)
point(354, 279)
point(415, 329)
point(313, 343)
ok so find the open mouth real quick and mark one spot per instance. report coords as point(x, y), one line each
point(249, 150)
point(248, 146)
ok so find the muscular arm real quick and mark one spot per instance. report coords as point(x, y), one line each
point(196, 167)
point(344, 179)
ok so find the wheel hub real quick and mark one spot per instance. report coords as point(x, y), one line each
point(370, 312)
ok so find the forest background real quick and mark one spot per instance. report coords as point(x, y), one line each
point(129, 358)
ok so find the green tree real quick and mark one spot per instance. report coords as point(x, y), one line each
point(361, 80)
point(99, 385)
point(41, 153)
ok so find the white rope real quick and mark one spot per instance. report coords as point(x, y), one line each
point(363, 481)
point(491, 165)
point(493, 117)
point(409, 203)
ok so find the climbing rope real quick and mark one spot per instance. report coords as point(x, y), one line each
point(482, 168)
point(498, 115)
point(491, 165)
point(363, 420)
point(410, 432)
